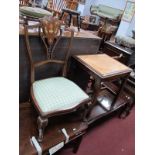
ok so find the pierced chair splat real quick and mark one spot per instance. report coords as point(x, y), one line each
point(56, 95)
point(52, 33)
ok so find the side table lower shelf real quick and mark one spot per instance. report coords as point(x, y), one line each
point(102, 107)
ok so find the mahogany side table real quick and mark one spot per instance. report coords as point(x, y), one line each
point(104, 69)
point(71, 13)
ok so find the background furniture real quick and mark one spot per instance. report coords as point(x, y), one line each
point(72, 4)
point(104, 71)
point(89, 23)
point(124, 55)
point(53, 96)
point(23, 2)
point(105, 35)
point(33, 3)
point(125, 41)
point(106, 12)
point(107, 29)
point(109, 21)
point(32, 14)
point(72, 13)
point(56, 6)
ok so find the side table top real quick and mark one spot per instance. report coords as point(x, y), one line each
point(103, 65)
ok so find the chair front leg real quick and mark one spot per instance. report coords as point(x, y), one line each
point(42, 123)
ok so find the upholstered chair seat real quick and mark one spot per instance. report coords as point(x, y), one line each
point(57, 94)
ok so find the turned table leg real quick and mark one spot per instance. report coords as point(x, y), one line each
point(119, 92)
point(127, 109)
point(96, 87)
point(42, 123)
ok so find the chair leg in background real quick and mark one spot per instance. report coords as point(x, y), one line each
point(77, 144)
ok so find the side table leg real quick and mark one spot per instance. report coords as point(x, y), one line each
point(127, 109)
point(119, 92)
point(97, 87)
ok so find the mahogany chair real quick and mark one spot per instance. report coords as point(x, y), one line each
point(56, 95)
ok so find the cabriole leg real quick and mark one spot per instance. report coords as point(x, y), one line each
point(42, 123)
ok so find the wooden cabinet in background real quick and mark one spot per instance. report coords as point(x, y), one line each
point(127, 56)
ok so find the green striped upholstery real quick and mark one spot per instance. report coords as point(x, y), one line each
point(106, 11)
point(56, 94)
point(34, 12)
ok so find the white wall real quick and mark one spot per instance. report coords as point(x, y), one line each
point(131, 27)
point(81, 8)
point(86, 11)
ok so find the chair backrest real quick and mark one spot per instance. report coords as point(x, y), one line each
point(40, 63)
point(51, 30)
point(50, 27)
